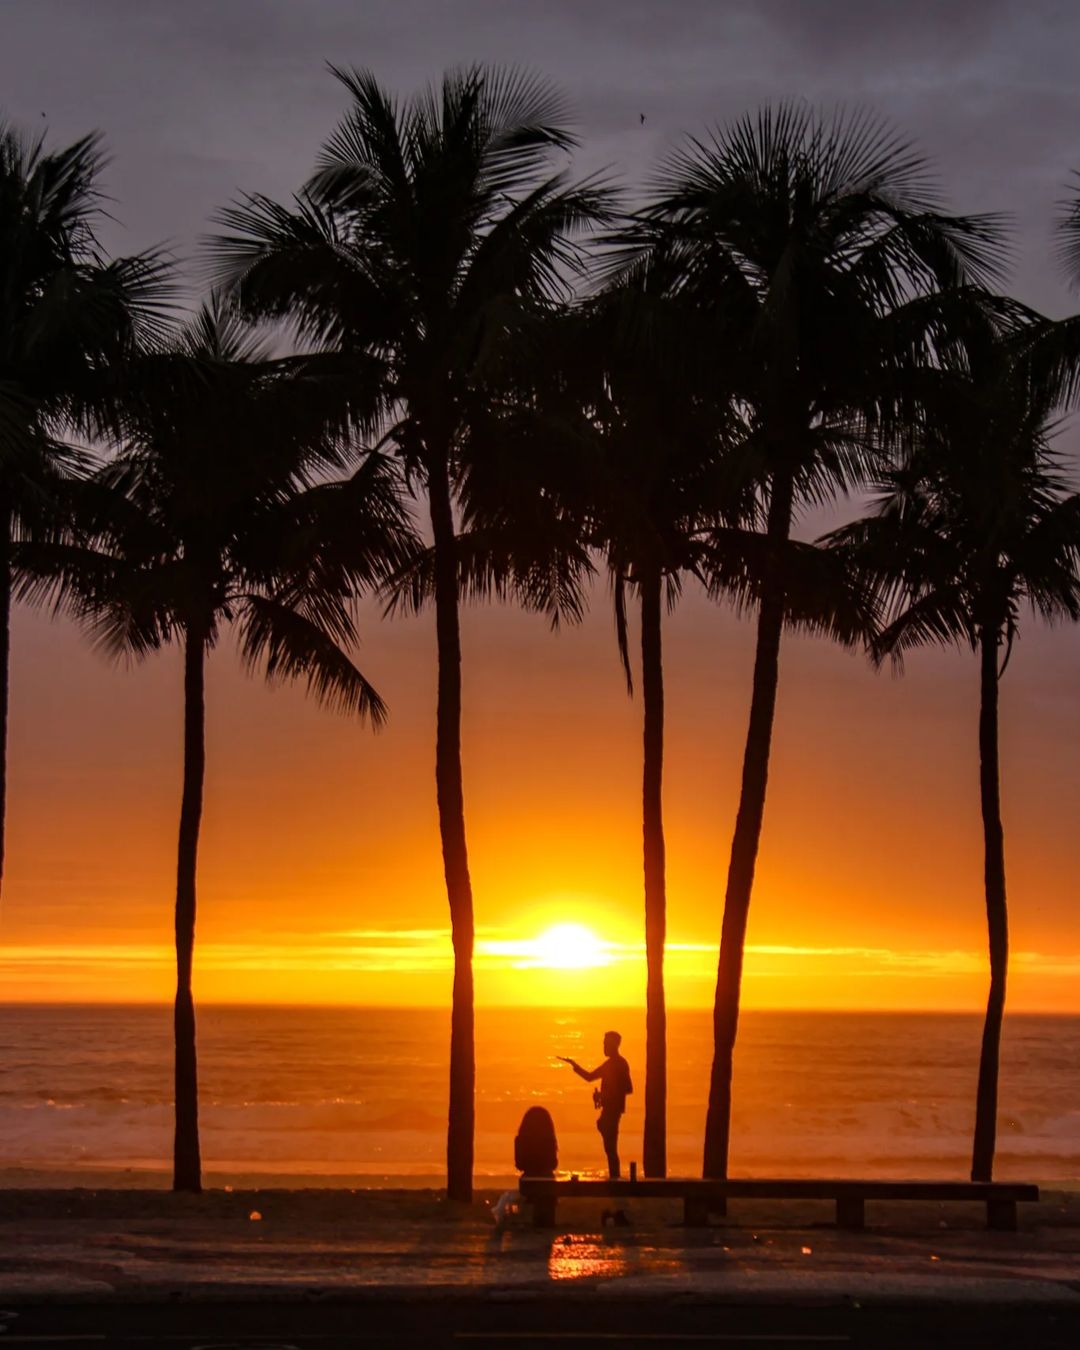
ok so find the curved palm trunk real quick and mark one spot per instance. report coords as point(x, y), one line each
point(652, 685)
point(5, 673)
point(451, 803)
point(997, 919)
point(744, 844)
point(187, 1167)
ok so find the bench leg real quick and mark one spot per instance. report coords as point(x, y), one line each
point(544, 1212)
point(1001, 1215)
point(850, 1212)
point(695, 1211)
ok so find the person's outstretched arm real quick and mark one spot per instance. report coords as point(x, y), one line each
point(583, 1073)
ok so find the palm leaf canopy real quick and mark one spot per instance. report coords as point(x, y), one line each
point(613, 445)
point(431, 233)
point(66, 312)
point(643, 366)
point(648, 470)
point(431, 248)
point(217, 508)
point(1068, 232)
point(1053, 348)
point(979, 519)
point(809, 235)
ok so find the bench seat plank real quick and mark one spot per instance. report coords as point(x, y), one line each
point(772, 1188)
point(702, 1196)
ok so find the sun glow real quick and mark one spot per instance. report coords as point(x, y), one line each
point(563, 946)
point(570, 946)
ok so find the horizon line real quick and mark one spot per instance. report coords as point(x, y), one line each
point(816, 1010)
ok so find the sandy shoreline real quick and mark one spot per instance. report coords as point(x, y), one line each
point(303, 1211)
point(223, 1178)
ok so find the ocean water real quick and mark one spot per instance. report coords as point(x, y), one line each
point(362, 1092)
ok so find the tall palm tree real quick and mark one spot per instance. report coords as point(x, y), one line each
point(809, 235)
point(434, 235)
point(650, 477)
point(976, 525)
point(217, 511)
point(64, 313)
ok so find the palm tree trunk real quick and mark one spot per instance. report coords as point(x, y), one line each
point(451, 803)
point(744, 844)
point(997, 919)
point(652, 688)
point(187, 1167)
point(5, 672)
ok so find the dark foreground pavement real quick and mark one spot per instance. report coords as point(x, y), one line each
point(566, 1322)
point(266, 1270)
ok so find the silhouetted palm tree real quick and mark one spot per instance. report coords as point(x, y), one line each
point(807, 235)
point(64, 311)
point(211, 515)
point(433, 237)
point(975, 526)
point(650, 481)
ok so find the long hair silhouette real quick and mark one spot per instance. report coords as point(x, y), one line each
point(536, 1150)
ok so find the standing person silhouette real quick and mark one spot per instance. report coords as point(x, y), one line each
point(615, 1087)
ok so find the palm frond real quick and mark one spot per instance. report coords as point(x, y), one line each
point(1068, 233)
point(289, 646)
point(822, 593)
point(941, 617)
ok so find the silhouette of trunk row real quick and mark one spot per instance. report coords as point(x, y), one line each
point(791, 318)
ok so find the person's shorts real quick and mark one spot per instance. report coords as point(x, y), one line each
point(607, 1122)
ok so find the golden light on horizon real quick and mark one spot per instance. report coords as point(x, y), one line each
point(561, 961)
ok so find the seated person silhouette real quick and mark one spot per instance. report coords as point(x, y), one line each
point(536, 1150)
point(536, 1154)
point(615, 1087)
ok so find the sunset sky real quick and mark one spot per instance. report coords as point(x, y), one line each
point(320, 874)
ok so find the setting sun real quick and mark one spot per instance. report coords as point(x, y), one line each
point(570, 946)
point(563, 946)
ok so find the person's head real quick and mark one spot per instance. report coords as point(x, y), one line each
point(536, 1151)
point(612, 1041)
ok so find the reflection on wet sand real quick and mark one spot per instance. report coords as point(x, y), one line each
point(582, 1256)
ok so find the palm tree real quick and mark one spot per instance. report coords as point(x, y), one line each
point(64, 313)
point(424, 250)
point(650, 483)
point(216, 512)
point(808, 237)
point(974, 526)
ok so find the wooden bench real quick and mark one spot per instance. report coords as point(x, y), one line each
point(702, 1198)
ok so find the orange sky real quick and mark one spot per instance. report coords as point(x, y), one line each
point(320, 870)
point(320, 874)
